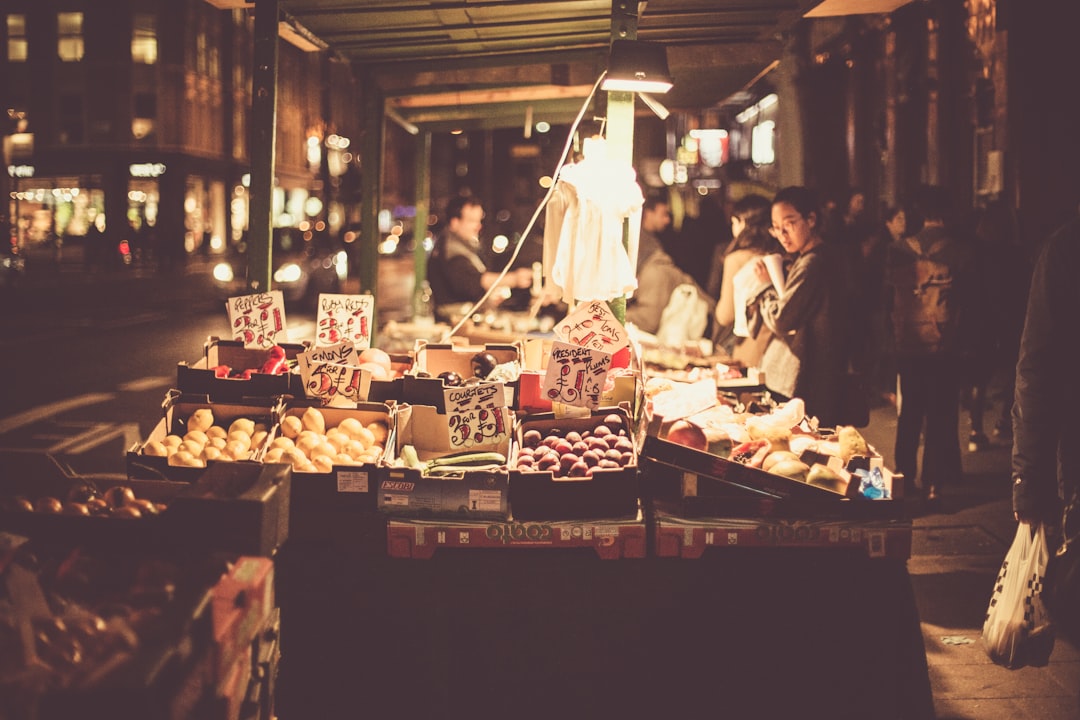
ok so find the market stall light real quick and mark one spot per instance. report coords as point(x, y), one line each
point(637, 66)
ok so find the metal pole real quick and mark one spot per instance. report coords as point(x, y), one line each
point(620, 117)
point(423, 208)
point(371, 190)
point(264, 137)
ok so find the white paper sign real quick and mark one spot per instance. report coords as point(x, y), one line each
point(343, 318)
point(476, 415)
point(343, 353)
point(576, 375)
point(593, 325)
point(258, 320)
point(333, 381)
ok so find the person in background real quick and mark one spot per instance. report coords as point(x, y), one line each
point(1045, 453)
point(657, 273)
point(456, 272)
point(929, 275)
point(873, 354)
point(1002, 277)
point(704, 234)
point(807, 354)
point(750, 224)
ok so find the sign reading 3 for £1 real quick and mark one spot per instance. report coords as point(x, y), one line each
point(476, 415)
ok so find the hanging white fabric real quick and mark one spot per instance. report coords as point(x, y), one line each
point(584, 257)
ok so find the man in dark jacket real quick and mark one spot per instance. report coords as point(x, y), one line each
point(456, 272)
point(929, 274)
point(1046, 424)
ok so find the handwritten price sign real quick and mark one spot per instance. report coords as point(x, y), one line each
point(593, 325)
point(343, 353)
point(344, 318)
point(576, 375)
point(257, 320)
point(330, 381)
point(476, 415)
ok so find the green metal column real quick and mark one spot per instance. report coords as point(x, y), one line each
point(371, 160)
point(620, 117)
point(264, 136)
point(423, 208)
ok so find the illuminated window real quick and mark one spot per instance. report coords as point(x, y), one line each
point(16, 38)
point(144, 39)
point(69, 36)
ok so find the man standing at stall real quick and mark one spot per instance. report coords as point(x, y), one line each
point(456, 272)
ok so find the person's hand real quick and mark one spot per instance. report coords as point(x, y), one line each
point(760, 270)
point(522, 278)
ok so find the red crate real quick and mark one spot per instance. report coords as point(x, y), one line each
point(610, 539)
point(691, 537)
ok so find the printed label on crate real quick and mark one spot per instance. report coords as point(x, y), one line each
point(476, 415)
point(593, 325)
point(352, 481)
point(519, 533)
point(330, 381)
point(344, 318)
point(485, 501)
point(258, 320)
point(576, 375)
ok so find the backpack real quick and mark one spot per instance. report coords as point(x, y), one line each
point(925, 311)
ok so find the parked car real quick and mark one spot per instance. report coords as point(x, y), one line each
point(12, 266)
point(304, 264)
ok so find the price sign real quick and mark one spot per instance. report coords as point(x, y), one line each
point(344, 318)
point(576, 375)
point(257, 320)
point(343, 353)
point(330, 381)
point(593, 325)
point(476, 415)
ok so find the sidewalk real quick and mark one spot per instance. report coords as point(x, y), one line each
point(956, 552)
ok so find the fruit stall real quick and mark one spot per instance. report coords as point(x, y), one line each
point(324, 527)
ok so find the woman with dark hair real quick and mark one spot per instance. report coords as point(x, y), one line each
point(807, 355)
point(750, 228)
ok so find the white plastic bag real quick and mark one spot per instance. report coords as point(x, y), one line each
point(1017, 628)
point(684, 318)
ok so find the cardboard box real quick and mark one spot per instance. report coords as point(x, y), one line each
point(344, 485)
point(410, 492)
point(241, 603)
point(607, 493)
point(97, 531)
point(626, 389)
point(235, 507)
point(199, 378)
point(178, 408)
point(609, 539)
point(438, 358)
point(692, 483)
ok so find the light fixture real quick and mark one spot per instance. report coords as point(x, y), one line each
point(637, 66)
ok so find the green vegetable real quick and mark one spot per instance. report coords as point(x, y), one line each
point(409, 456)
point(467, 459)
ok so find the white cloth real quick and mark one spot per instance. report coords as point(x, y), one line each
point(584, 257)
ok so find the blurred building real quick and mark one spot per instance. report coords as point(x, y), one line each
point(135, 115)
